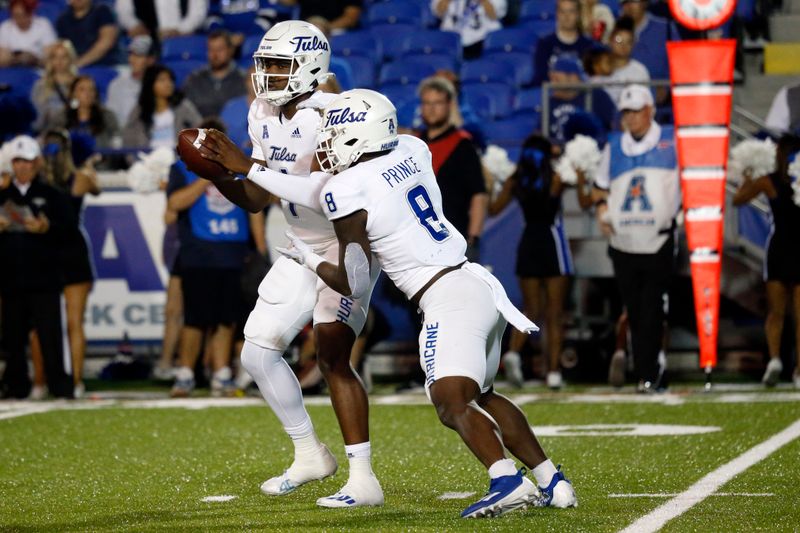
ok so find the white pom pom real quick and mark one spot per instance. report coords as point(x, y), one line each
point(142, 179)
point(566, 171)
point(583, 154)
point(496, 161)
point(754, 157)
point(794, 175)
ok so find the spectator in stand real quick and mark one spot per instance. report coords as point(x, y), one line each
point(472, 19)
point(92, 30)
point(210, 87)
point(62, 173)
point(214, 234)
point(456, 163)
point(342, 14)
point(162, 112)
point(566, 102)
point(544, 261)
point(784, 113)
point(161, 19)
point(24, 37)
point(85, 114)
point(624, 68)
point(30, 280)
point(566, 41)
point(782, 261)
point(597, 62)
point(597, 20)
point(123, 92)
point(50, 93)
point(651, 34)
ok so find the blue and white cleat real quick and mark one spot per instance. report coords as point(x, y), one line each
point(309, 468)
point(558, 493)
point(506, 493)
point(365, 491)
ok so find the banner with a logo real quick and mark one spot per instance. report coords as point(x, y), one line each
point(701, 74)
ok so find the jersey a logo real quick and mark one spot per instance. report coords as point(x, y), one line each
point(636, 193)
point(265, 132)
point(296, 133)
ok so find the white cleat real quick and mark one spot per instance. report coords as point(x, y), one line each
point(773, 372)
point(554, 380)
point(558, 493)
point(360, 493)
point(303, 470)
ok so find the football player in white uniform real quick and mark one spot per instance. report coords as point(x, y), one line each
point(291, 60)
point(383, 200)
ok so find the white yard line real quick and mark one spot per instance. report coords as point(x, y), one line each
point(709, 484)
point(672, 495)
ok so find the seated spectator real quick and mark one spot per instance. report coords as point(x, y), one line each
point(566, 102)
point(566, 41)
point(784, 113)
point(462, 114)
point(624, 68)
point(92, 30)
point(342, 14)
point(651, 35)
point(597, 62)
point(50, 93)
point(161, 113)
point(123, 92)
point(24, 37)
point(245, 17)
point(86, 115)
point(473, 19)
point(161, 19)
point(210, 87)
point(597, 20)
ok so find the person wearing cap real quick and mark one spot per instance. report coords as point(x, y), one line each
point(567, 40)
point(33, 219)
point(566, 102)
point(637, 197)
point(123, 91)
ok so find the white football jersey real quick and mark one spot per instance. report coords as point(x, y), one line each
point(288, 147)
point(407, 230)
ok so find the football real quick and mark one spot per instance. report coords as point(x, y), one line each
point(189, 143)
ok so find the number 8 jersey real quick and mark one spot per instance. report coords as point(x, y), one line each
point(407, 230)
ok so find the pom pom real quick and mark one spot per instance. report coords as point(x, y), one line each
point(497, 162)
point(753, 157)
point(581, 153)
point(150, 170)
point(794, 175)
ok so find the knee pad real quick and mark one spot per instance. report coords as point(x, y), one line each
point(255, 359)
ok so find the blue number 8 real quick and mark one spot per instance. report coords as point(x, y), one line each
point(422, 206)
point(330, 202)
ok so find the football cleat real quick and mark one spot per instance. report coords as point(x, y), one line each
point(182, 388)
point(363, 492)
point(512, 363)
point(506, 493)
point(616, 370)
point(773, 372)
point(303, 469)
point(558, 493)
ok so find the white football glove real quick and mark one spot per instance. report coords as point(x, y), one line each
point(300, 252)
point(318, 100)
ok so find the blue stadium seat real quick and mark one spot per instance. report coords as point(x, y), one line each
point(746, 9)
point(393, 38)
point(408, 113)
point(486, 71)
point(20, 80)
point(500, 95)
point(50, 10)
point(538, 28)
point(395, 12)
point(437, 61)
point(511, 40)
point(363, 69)
point(529, 100)
point(483, 104)
point(357, 43)
point(249, 46)
point(344, 74)
point(184, 47)
point(513, 153)
point(616, 8)
point(520, 63)
point(398, 93)
point(102, 78)
point(234, 116)
point(435, 42)
point(537, 10)
point(182, 69)
point(404, 72)
point(510, 132)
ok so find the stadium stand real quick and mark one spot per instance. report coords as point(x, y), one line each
point(435, 42)
point(183, 48)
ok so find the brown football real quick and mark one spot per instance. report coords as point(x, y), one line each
point(189, 142)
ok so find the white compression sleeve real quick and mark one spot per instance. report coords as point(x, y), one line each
point(278, 386)
point(356, 265)
point(301, 190)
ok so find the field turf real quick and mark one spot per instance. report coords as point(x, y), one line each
point(146, 466)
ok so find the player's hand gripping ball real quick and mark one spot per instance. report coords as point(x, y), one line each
point(190, 143)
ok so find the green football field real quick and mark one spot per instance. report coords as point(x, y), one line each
point(687, 461)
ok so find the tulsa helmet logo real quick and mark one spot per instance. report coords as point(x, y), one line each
point(344, 116)
point(308, 44)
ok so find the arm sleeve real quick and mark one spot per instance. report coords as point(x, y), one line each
point(126, 14)
point(105, 17)
point(255, 135)
point(301, 190)
point(602, 178)
point(338, 199)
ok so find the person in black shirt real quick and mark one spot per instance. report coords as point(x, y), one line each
point(342, 14)
point(32, 224)
point(92, 30)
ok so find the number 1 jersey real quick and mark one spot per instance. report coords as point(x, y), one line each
point(405, 224)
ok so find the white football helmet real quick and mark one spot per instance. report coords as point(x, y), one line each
point(357, 122)
point(307, 49)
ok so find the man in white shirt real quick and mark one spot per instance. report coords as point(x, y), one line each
point(123, 91)
point(24, 37)
point(164, 18)
point(784, 113)
point(473, 19)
